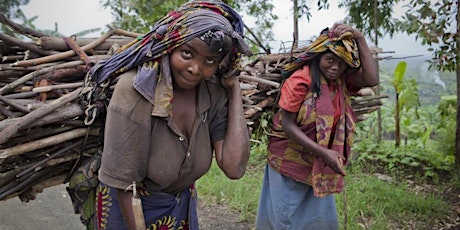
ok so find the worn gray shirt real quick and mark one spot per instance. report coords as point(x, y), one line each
point(152, 150)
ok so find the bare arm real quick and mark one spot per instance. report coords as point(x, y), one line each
point(369, 76)
point(332, 158)
point(124, 200)
point(232, 153)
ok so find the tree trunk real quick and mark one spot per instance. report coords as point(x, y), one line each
point(296, 24)
point(377, 88)
point(457, 133)
point(397, 118)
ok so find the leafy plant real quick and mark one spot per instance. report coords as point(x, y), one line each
point(446, 125)
point(409, 160)
point(259, 138)
point(406, 97)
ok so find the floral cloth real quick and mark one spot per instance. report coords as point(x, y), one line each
point(161, 210)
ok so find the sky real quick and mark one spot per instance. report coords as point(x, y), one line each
point(74, 16)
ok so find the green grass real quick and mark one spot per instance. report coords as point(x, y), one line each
point(371, 203)
point(240, 195)
point(376, 204)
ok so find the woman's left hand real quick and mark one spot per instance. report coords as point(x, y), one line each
point(230, 82)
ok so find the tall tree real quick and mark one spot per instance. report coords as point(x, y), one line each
point(363, 14)
point(438, 24)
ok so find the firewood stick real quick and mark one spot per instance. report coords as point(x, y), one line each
point(247, 86)
point(13, 41)
point(10, 175)
point(52, 156)
point(31, 103)
point(37, 133)
point(38, 188)
point(12, 58)
point(367, 104)
point(68, 111)
point(4, 74)
point(369, 98)
point(13, 128)
point(48, 88)
point(71, 53)
point(20, 95)
point(62, 159)
point(367, 110)
point(259, 80)
point(60, 74)
point(272, 92)
point(72, 122)
point(251, 112)
point(254, 69)
point(58, 43)
point(14, 105)
point(22, 185)
point(6, 112)
point(45, 142)
point(28, 68)
point(13, 185)
point(272, 57)
point(34, 74)
point(246, 100)
point(271, 76)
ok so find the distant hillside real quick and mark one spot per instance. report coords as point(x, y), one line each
point(432, 83)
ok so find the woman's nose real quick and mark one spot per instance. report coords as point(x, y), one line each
point(335, 65)
point(194, 68)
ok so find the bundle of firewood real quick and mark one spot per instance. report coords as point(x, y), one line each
point(43, 135)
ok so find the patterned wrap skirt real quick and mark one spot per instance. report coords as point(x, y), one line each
point(161, 210)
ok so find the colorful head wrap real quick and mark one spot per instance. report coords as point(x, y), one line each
point(344, 46)
point(210, 20)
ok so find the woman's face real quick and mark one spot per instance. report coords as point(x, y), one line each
point(331, 66)
point(193, 62)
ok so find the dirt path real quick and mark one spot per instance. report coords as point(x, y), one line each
point(52, 209)
point(220, 217)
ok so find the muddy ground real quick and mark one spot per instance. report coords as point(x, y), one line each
point(53, 209)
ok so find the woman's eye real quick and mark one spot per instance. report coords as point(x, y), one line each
point(186, 53)
point(210, 61)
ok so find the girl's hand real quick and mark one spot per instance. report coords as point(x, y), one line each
point(334, 160)
point(340, 28)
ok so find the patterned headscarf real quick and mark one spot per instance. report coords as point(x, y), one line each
point(344, 46)
point(212, 21)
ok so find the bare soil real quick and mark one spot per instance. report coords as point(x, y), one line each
point(52, 209)
point(212, 216)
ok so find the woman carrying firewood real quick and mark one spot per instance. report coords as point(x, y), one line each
point(313, 131)
point(176, 103)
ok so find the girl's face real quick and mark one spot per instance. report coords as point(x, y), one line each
point(193, 62)
point(331, 66)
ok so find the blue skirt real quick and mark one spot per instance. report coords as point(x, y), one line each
point(286, 204)
point(161, 210)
